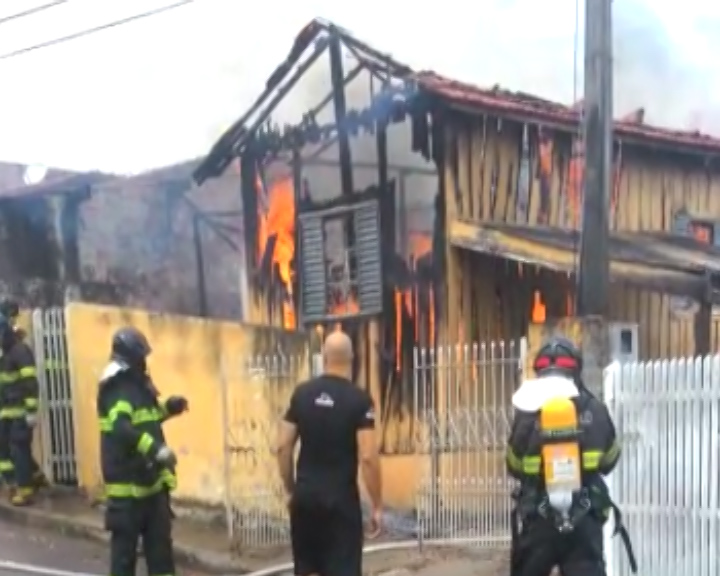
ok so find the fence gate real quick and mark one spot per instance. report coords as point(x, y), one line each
point(56, 425)
point(462, 405)
point(667, 414)
point(256, 392)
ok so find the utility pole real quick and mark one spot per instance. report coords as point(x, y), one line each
point(594, 266)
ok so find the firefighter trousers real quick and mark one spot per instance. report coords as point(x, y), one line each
point(16, 460)
point(149, 519)
point(539, 547)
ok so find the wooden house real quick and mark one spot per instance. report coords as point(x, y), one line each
point(512, 178)
point(503, 249)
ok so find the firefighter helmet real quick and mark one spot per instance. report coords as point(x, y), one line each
point(130, 347)
point(558, 356)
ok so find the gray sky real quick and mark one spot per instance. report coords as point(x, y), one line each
point(161, 90)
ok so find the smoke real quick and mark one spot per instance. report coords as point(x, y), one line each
point(653, 70)
point(658, 65)
point(325, 181)
point(515, 46)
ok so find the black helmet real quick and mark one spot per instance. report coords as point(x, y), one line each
point(7, 332)
point(558, 356)
point(130, 347)
point(9, 308)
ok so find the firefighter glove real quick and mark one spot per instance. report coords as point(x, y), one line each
point(166, 457)
point(31, 420)
point(176, 405)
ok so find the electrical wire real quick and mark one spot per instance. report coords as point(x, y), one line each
point(31, 11)
point(94, 30)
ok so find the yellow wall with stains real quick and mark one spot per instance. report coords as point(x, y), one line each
point(199, 359)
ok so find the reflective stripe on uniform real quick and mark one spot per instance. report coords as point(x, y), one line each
point(531, 465)
point(6, 466)
point(145, 443)
point(523, 465)
point(139, 416)
point(8, 413)
point(11, 377)
point(27, 372)
point(31, 403)
point(166, 481)
point(612, 454)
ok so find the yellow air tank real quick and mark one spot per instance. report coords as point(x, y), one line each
point(561, 454)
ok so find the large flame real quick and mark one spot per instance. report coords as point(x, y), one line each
point(276, 217)
point(419, 245)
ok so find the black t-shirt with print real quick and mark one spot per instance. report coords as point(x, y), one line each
point(328, 411)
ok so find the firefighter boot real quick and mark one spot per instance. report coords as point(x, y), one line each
point(39, 480)
point(22, 496)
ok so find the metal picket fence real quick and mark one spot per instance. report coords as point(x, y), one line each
point(57, 424)
point(667, 414)
point(462, 405)
point(256, 390)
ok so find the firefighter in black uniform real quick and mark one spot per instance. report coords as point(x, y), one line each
point(543, 542)
point(11, 310)
point(138, 467)
point(18, 409)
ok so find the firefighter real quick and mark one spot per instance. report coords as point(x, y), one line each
point(18, 411)
point(11, 310)
point(138, 467)
point(565, 529)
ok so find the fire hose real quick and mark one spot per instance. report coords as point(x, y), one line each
point(287, 567)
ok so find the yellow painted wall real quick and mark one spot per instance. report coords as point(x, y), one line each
point(192, 357)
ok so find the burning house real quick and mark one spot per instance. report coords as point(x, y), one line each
point(474, 239)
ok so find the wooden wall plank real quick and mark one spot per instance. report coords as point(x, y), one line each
point(651, 189)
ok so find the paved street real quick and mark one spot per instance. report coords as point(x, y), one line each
point(30, 546)
point(53, 552)
point(44, 553)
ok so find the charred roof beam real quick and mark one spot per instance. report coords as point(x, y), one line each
point(232, 142)
point(234, 139)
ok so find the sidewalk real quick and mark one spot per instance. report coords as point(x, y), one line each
point(205, 545)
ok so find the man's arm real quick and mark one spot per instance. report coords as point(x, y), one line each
point(611, 449)
point(369, 453)
point(287, 438)
point(518, 464)
point(24, 360)
point(116, 419)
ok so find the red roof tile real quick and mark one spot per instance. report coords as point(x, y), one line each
point(530, 107)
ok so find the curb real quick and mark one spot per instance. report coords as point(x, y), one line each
point(36, 517)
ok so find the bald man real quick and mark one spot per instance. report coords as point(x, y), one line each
point(335, 423)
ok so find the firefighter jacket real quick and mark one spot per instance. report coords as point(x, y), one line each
point(598, 443)
point(18, 381)
point(131, 417)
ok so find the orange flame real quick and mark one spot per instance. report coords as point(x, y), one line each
point(278, 220)
point(418, 246)
point(538, 311)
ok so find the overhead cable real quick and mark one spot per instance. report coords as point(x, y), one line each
point(94, 30)
point(31, 11)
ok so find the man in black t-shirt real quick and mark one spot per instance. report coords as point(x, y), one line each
point(335, 423)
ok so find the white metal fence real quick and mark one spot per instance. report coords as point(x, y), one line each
point(56, 426)
point(667, 484)
point(462, 403)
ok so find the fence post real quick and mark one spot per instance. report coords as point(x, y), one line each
point(610, 375)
